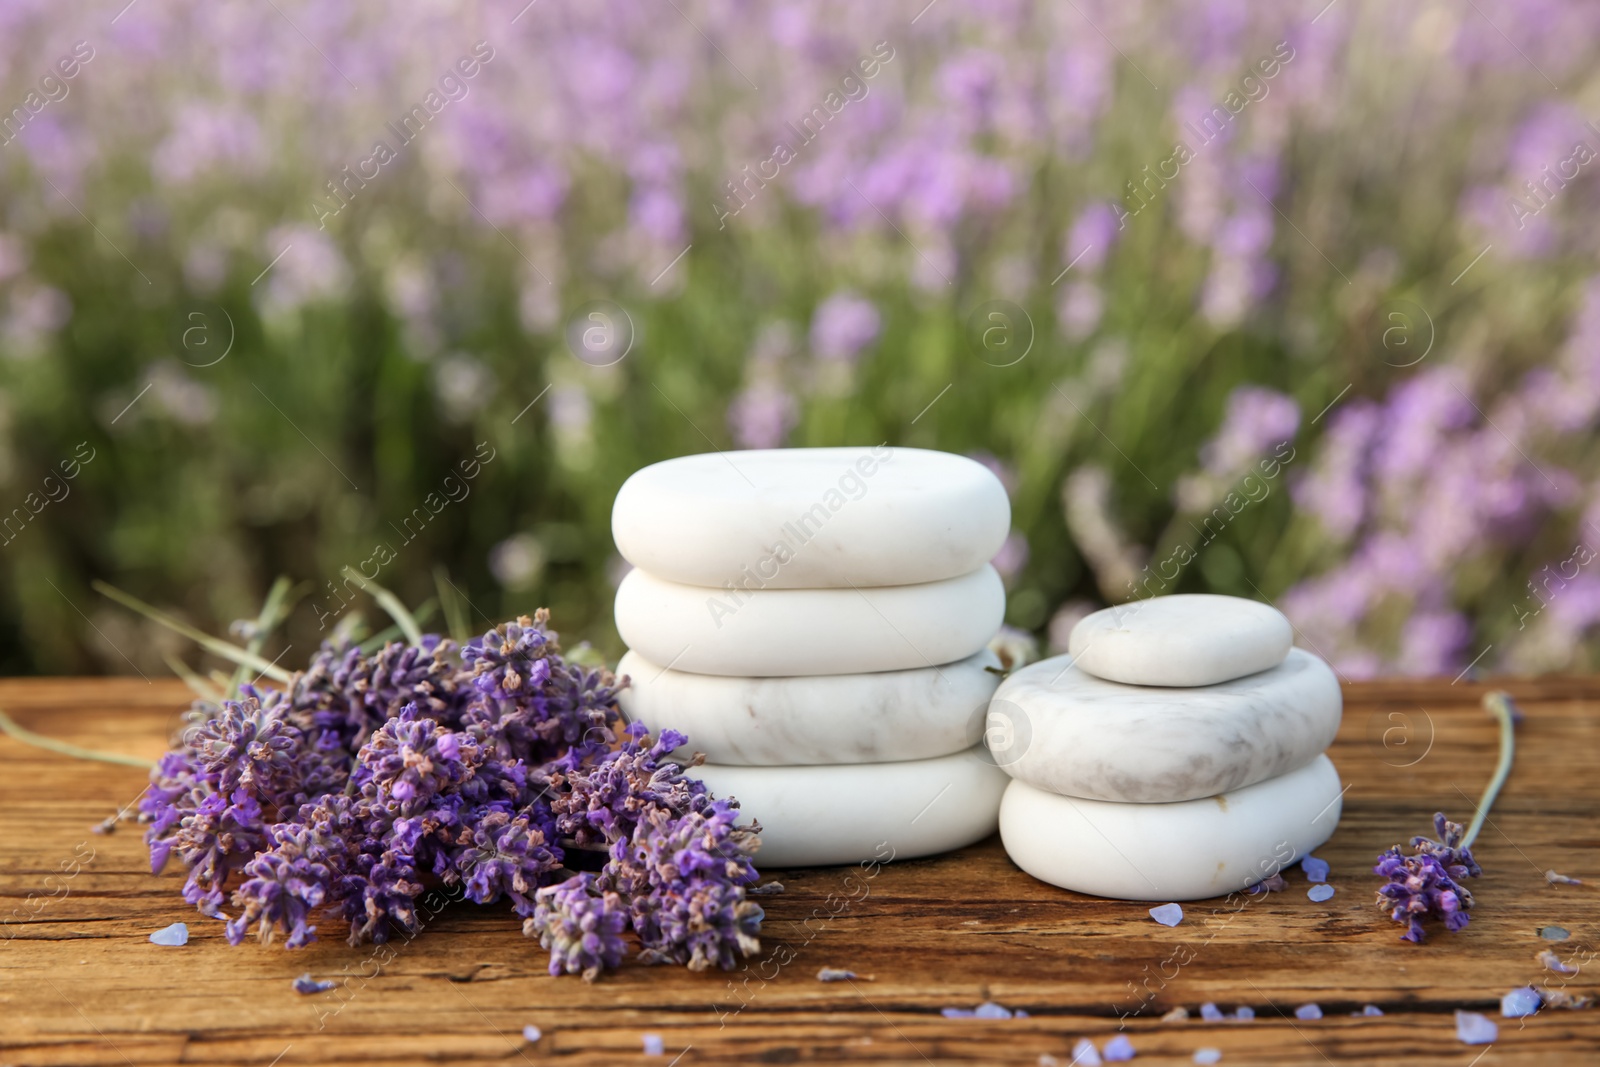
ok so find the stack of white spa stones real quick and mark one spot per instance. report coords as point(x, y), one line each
point(817, 621)
point(1175, 753)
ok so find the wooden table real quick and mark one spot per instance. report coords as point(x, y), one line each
point(82, 984)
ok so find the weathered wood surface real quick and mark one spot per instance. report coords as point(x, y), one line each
point(82, 984)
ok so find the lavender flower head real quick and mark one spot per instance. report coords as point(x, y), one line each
point(843, 325)
point(1428, 882)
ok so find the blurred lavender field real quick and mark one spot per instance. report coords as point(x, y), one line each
point(1290, 301)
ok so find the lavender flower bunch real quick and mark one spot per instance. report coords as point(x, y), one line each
point(494, 769)
point(1428, 882)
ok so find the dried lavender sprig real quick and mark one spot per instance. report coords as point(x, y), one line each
point(1428, 883)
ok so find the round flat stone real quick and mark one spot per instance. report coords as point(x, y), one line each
point(778, 632)
point(1165, 852)
point(1186, 639)
point(825, 718)
point(811, 518)
point(1055, 727)
point(860, 812)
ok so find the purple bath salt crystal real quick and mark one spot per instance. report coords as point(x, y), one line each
point(654, 1046)
point(1119, 1049)
point(531, 1033)
point(1371, 1009)
point(1520, 1002)
point(1205, 1056)
point(1475, 1029)
point(308, 985)
point(1245, 1013)
point(1084, 1054)
point(957, 1013)
point(1167, 914)
point(990, 1010)
point(1320, 892)
point(1308, 1012)
point(171, 936)
point(1316, 870)
point(1210, 1012)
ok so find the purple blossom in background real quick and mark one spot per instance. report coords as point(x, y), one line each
point(1089, 240)
point(762, 415)
point(1079, 309)
point(1256, 421)
point(1013, 555)
point(843, 325)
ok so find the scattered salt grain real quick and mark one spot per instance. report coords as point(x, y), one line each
point(1475, 1029)
point(171, 936)
point(990, 1010)
point(531, 1033)
point(956, 1013)
point(654, 1046)
point(308, 985)
point(838, 974)
point(1555, 963)
point(1084, 1054)
point(1245, 1012)
point(1307, 1012)
point(1320, 892)
point(1119, 1049)
point(1520, 1002)
point(1271, 884)
point(1371, 1009)
point(1167, 914)
point(1554, 933)
point(1316, 870)
point(1210, 1012)
point(1207, 1055)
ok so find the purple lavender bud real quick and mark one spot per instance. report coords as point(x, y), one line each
point(581, 927)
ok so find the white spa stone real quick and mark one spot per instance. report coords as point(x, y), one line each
point(811, 518)
point(1186, 639)
point(859, 812)
point(779, 632)
point(1055, 727)
point(825, 718)
point(1188, 851)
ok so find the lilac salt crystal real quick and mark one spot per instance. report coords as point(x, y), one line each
point(1119, 1049)
point(654, 1046)
point(1520, 1002)
point(956, 1013)
point(1475, 1029)
point(531, 1033)
point(1320, 892)
point(171, 936)
point(1210, 1012)
point(1371, 1009)
point(1245, 1013)
point(308, 985)
point(1167, 914)
point(1308, 1011)
point(1084, 1054)
point(1207, 1055)
point(1316, 870)
point(990, 1010)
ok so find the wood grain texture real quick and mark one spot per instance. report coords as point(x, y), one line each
point(81, 984)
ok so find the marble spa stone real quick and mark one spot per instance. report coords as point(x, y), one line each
point(860, 812)
point(779, 632)
point(1065, 731)
point(1181, 640)
point(824, 718)
point(811, 518)
point(1166, 852)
